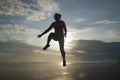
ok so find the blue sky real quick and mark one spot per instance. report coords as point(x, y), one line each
point(22, 20)
point(102, 17)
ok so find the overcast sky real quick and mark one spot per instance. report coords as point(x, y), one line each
point(22, 20)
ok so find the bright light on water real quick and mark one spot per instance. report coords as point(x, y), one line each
point(65, 73)
point(61, 64)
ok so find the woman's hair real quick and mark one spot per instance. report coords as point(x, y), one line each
point(57, 16)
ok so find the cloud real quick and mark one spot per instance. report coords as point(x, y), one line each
point(113, 36)
point(17, 47)
point(48, 5)
point(106, 22)
point(20, 51)
point(79, 33)
point(34, 11)
point(80, 20)
point(17, 29)
point(14, 50)
point(18, 32)
point(13, 7)
point(82, 29)
point(7, 38)
point(95, 50)
point(36, 16)
point(46, 8)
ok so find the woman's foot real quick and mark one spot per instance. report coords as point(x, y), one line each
point(46, 47)
point(64, 63)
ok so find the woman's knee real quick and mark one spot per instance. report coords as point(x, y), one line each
point(51, 35)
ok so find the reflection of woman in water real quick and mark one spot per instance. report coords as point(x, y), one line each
point(60, 31)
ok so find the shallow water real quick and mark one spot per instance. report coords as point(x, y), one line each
point(53, 71)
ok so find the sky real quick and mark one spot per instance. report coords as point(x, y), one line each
point(90, 23)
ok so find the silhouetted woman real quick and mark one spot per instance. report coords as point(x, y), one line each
point(59, 32)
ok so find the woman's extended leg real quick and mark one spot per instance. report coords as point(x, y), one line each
point(61, 45)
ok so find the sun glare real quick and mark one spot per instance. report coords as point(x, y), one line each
point(68, 39)
point(67, 45)
point(61, 64)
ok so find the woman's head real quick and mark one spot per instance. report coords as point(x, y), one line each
point(57, 16)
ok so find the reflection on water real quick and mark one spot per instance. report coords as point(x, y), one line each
point(82, 75)
point(61, 64)
point(65, 73)
point(53, 71)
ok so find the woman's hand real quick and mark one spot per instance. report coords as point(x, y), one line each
point(40, 35)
